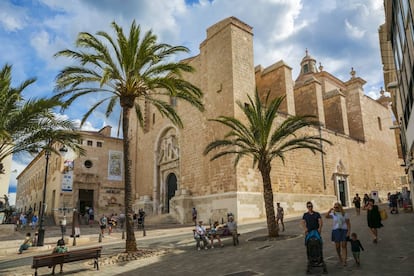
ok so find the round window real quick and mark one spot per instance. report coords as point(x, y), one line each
point(88, 164)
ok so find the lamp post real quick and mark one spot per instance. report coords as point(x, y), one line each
point(41, 235)
point(41, 232)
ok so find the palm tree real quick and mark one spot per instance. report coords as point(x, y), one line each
point(25, 125)
point(263, 139)
point(134, 71)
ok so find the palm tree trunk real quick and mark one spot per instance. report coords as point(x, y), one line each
point(131, 244)
point(268, 200)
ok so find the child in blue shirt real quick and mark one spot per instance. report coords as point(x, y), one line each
point(356, 247)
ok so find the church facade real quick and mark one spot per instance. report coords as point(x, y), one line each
point(171, 174)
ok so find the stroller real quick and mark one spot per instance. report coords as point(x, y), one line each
point(313, 244)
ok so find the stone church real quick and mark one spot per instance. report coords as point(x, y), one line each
point(171, 174)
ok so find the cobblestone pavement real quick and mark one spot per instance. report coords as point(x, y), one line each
point(393, 255)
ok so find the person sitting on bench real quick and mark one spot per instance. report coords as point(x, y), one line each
point(60, 248)
point(26, 243)
point(215, 235)
point(200, 234)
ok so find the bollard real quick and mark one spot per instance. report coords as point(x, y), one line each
point(144, 233)
point(222, 221)
point(74, 240)
point(123, 234)
point(100, 237)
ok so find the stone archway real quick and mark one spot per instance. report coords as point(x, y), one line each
point(167, 170)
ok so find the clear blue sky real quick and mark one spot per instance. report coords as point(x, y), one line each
point(338, 33)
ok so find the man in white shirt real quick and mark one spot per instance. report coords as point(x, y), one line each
point(200, 233)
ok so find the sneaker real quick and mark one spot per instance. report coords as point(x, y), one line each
point(198, 248)
point(212, 246)
point(375, 241)
point(206, 248)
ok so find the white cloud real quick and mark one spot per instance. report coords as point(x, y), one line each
point(12, 199)
point(86, 126)
point(353, 31)
point(12, 18)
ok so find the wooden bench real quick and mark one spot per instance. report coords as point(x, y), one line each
point(51, 260)
point(222, 232)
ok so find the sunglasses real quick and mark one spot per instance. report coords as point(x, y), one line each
point(309, 206)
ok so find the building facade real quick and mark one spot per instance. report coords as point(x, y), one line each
point(397, 53)
point(94, 180)
point(172, 175)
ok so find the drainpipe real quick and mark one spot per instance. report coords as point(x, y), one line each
point(322, 158)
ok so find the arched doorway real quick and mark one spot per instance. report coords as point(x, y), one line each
point(171, 188)
point(168, 160)
point(340, 178)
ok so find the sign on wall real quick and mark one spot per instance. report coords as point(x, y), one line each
point(115, 165)
point(67, 178)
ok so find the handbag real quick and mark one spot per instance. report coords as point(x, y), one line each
point(383, 214)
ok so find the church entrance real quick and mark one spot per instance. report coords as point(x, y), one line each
point(341, 189)
point(85, 200)
point(168, 162)
point(171, 188)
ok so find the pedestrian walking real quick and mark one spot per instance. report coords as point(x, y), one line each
point(23, 221)
point(356, 247)
point(341, 228)
point(194, 215)
point(357, 203)
point(373, 219)
point(232, 228)
point(122, 220)
point(311, 220)
point(365, 199)
point(312, 225)
point(103, 221)
point(34, 221)
point(279, 216)
point(91, 215)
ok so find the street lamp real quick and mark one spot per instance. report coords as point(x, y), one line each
point(41, 232)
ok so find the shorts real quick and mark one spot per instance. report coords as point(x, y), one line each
point(103, 226)
point(339, 235)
